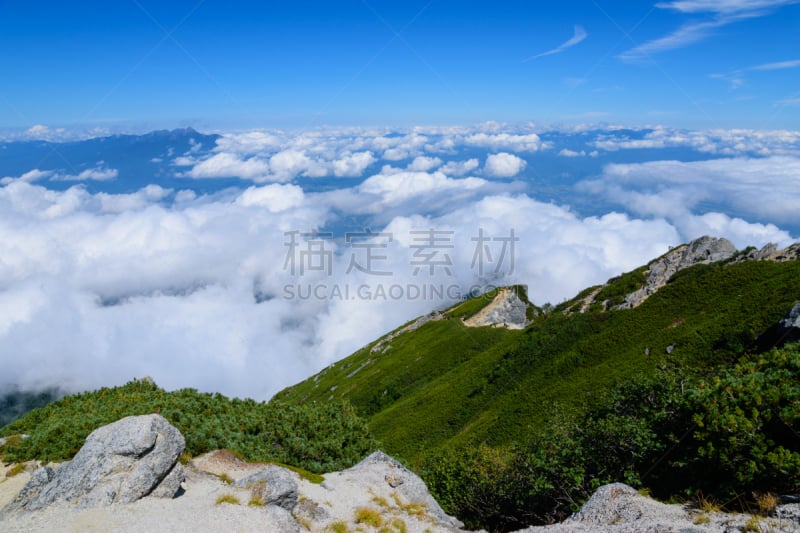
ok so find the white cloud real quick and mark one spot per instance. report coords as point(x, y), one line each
point(101, 288)
point(504, 165)
point(288, 164)
point(227, 165)
point(765, 188)
point(724, 142)
point(120, 203)
point(566, 152)
point(353, 165)
point(39, 131)
point(250, 142)
point(578, 37)
point(400, 186)
point(274, 198)
point(29, 177)
point(460, 168)
point(424, 164)
point(91, 174)
point(506, 141)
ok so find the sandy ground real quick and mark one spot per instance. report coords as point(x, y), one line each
point(196, 511)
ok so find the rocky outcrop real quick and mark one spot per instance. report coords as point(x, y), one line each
point(507, 310)
point(770, 252)
point(121, 462)
point(703, 250)
point(619, 508)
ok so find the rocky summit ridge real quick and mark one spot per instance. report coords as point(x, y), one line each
point(657, 273)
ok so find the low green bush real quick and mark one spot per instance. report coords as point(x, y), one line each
point(318, 437)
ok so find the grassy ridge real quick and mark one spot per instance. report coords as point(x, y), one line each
point(446, 385)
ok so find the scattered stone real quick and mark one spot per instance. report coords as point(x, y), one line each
point(121, 462)
point(274, 485)
point(383, 344)
point(310, 511)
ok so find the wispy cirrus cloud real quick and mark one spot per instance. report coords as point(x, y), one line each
point(736, 77)
point(579, 36)
point(723, 6)
point(722, 12)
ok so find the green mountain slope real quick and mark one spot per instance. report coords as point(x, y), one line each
point(445, 385)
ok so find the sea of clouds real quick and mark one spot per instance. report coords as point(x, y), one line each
point(197, 290)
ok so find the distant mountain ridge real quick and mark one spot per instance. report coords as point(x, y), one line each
point(139, 160)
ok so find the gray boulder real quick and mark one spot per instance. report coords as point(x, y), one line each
point(273, 485)
point(121, 462)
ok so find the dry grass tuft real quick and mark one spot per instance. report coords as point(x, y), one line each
point(767, 502)
point(369, 516)
point(228, 498)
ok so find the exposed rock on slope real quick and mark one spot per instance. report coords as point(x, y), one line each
point(506, 309)
point(619, 508)
point(702, 250)
point(121, 462)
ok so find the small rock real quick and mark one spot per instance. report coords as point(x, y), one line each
point(279, 519)
point(310, 511)
point(273, 485)
point(393, 480)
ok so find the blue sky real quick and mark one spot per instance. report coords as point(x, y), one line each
point(142, 64)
